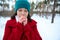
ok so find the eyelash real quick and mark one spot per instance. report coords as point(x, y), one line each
point(20, 10)
point(24, 10)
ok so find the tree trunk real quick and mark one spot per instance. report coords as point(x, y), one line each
point(3, 7)
point(53, 12)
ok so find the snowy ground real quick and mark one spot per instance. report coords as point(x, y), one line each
point(47, 30)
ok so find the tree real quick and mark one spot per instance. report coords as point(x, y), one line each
point(3, 4)
point(53, 11)
point(40, 6)
point(32, 7)
point(47, 6)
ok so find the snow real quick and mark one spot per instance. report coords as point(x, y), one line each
point(47, 30)
point(3, 21)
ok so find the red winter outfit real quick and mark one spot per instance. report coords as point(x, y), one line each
point(17, 31)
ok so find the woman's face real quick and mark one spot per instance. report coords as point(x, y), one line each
point(22, 12)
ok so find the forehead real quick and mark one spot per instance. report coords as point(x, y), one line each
point(22, 9)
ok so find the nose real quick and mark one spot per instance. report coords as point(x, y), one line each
point(23, 13)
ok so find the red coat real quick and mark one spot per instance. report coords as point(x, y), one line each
point(16, 31)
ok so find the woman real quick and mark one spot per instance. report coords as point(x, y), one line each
point(21, 26)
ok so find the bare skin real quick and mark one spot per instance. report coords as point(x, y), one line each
point(22, 14)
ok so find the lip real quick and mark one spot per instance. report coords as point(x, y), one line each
point(23, 15)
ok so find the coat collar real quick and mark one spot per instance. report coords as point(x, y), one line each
point(16, 17)
point(33, 22)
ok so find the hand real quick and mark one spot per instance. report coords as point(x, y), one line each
point(23, 20)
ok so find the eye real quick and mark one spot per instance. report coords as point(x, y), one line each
point(25, 11)
point(19, 10)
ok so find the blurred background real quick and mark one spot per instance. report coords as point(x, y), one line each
point(45, 12)
point(41, 7)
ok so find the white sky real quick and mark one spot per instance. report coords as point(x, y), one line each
point(35, 0)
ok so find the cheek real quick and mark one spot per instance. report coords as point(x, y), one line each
point(18, 14)
point(26, 14)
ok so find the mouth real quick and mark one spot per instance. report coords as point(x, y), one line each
point(24, 15)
